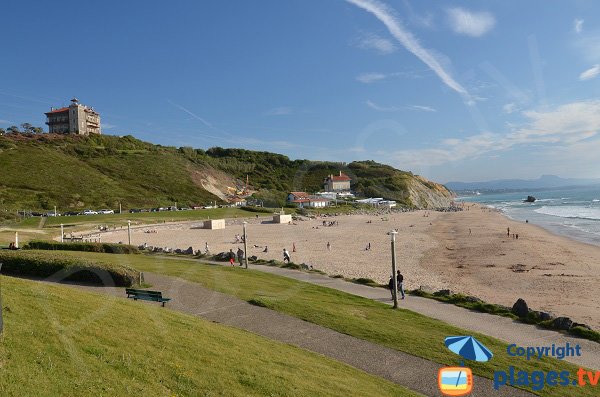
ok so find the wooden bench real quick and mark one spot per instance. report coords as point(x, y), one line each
point(145, 295)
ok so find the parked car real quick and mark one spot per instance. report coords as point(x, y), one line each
point(89, 212)
point(134, 210)
point(105, 212)
point(71, 213)
point(51, 214)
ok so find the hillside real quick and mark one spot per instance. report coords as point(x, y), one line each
point(42, 171)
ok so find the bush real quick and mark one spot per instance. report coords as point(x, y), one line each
point(85, 247)
point(36, 264)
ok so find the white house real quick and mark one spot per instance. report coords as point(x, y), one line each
point(304, 200)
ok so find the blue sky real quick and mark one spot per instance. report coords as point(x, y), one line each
point(450, 90)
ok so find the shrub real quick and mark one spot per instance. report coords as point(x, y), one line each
point(108, 248)
point(37, 264)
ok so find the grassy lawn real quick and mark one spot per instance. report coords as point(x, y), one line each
point(402, 330)
point(62, 341)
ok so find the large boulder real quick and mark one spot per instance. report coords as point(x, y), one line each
point(562, 323)
point(520, 308)
point(581, 326)
point(222, 256)
point(443, 292)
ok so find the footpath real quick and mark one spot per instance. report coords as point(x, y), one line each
point(503, 328)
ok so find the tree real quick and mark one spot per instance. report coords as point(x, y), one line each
point(13, 129)
point(37, 130)
point(26, 127)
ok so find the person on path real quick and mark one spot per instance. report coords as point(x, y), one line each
point(286, 256)
point(399, 281)
point(240, 255)
point(231, 257)
point(391, 286)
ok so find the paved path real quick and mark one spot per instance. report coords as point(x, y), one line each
point(499, 327)
point(404, 369)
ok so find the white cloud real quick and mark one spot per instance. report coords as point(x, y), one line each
point(279, 111)
point(510, 108)
point(370, 77)
point(590, 73)
point(387, 16)
point(206, 123)
point(107, 126)
point(469, 23)
point(371, 41)
point(578, 25)
point(564, 126)
point(379, 108)
point(6, 122)
point(423, 108)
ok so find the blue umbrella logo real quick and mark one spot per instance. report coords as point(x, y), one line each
point(468, 347)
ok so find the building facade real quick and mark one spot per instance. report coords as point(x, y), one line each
point(75, 119)
point(304, 200)
point(337, 183)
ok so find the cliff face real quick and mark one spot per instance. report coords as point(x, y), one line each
point(428, 195)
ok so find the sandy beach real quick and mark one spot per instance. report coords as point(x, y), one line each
point(467, 252)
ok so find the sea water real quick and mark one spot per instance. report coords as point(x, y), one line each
point(571, 212)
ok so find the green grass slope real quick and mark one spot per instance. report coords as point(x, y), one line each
point(59, 341)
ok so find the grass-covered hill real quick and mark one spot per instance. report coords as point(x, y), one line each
point(40, 171)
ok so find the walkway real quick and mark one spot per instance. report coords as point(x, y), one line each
point(499, 327)
point(412, 372)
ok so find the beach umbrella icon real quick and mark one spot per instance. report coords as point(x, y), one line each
point(468, 347)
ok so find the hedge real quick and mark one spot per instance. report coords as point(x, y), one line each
point(86, 247)
point(50, 265)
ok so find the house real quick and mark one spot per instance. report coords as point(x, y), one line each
point(378, 202)
point(75, 119)
point(305, 200)
point(238, 202)
point(337, 183)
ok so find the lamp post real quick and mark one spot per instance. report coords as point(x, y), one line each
point(394, 279)
point(62, 233)
point(16, 239)
point(129, 232)
point(245, 246)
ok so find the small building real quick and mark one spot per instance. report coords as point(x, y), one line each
point(214, 224)
point(75, 119)
point(337, 183)
point(378, 202)
point(305, 200)
point(282, 218)
point(238, 202)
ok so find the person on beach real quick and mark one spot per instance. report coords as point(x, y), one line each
point(400, 280)
point(508, 232)
point(286, 256)
point(206, 248)
point(328, 246)
point(266, 249)
point(293, 247)
point(240, 255)
point(231, 257)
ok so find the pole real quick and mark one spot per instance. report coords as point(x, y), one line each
point(1, 320)
point(129, 231)
point(16, 239)
point(120, 208)
point(62, 233)
point(245, 246)
point(394, 279)
point(54, 210)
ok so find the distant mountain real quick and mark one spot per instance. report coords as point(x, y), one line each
point(543, 182)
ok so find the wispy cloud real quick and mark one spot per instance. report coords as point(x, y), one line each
point(578, 25)
point(387, 16)
point(590, 73)
point(107, 126)
point(370, 77)
point(469, 23)
point(279, 111)
point(2, 121)
point(371, 41)
point(380, 108)
point(510, 108)
point(425, 20)
point(568, 124)
point(206, 123)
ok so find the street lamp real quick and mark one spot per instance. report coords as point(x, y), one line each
point(129, 231)
point(245, 246)
point(62, 233)
point(394, 279)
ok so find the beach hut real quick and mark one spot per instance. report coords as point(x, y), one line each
point(282, 218)
point(214, 224)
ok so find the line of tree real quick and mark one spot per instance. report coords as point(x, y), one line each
point(26, 128)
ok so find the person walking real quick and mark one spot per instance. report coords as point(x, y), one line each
point(293, 247)
point(206, 251)
point(328, 246)
point(231, 257)
point(286, 256)
point(391, 286)
point(240, 256)
point(399, 281)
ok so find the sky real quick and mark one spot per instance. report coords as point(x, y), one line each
point(453, 91)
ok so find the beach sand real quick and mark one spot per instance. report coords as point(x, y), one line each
point(434, 249)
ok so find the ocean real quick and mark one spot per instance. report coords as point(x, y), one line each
point(573, 212)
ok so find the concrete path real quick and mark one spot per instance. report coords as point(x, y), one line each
point(404, 369)
point(502, 328)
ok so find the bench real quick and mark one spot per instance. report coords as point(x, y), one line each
point(142, 294)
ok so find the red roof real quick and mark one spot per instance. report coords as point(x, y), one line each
point(339, 178)
point(299, 194)
point(58, 110)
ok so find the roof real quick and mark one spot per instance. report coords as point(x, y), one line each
point(339, 178)
point(58, 110)
point(299, 194)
